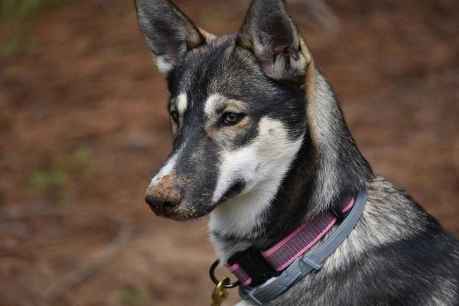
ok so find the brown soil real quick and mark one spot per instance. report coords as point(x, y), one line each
point(83, 125)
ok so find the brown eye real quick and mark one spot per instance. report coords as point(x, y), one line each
point(230, 118)
point(175, 116)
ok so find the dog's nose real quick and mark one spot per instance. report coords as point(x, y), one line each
point(163, 196)
point(160, 204)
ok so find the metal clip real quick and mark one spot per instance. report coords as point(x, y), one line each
point(220, 294)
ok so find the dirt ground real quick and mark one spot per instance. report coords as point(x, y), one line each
point(83, 126)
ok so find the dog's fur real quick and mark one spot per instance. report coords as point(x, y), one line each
point(260, 143)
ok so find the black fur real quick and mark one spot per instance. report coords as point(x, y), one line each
point(397, 255)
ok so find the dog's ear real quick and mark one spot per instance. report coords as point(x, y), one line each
point(169, 33)
point(270, 34)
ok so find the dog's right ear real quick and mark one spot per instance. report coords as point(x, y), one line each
point(270, 34)
point(169, 33)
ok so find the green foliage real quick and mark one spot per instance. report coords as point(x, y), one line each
point(19, 13)
point(78, 163)
point(131, 296)
point(17, 43)
point(11, 47)
point(44, 180)
point(19, 9)
point(61, 177)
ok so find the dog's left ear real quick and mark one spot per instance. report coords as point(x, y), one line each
point(270, 34)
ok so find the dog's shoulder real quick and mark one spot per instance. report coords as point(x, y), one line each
point(411, 243)
point(391, 208)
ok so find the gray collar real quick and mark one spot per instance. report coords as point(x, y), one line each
point(312, 261)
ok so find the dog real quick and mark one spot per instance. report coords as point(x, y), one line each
point(261, 145)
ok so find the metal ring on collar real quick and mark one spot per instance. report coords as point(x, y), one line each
point(214, 279)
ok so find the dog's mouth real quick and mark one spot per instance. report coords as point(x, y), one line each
point(232, 192)
point(184, 212)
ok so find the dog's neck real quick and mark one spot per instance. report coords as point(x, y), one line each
point(326, 168)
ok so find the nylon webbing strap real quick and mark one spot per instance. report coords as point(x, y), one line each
point(251, 268)
point(311, 261)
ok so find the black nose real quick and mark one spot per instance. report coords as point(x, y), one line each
point(159, 205)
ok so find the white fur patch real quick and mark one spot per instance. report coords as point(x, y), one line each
point(164, 66)
point(263, 165)
point(216, 104)
point(212, 103)
point(182, 104)
point(167, 169)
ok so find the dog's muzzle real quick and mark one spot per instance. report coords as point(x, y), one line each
point(164, 196)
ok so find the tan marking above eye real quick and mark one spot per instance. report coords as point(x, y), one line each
point(217, 104)
point(225, 136)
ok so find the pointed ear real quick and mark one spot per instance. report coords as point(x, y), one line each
point(270, 34)
point(169, 33)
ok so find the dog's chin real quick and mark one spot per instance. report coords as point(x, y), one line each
point(183, 214)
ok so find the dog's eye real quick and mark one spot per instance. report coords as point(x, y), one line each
point(230, 118)
point(175, 116)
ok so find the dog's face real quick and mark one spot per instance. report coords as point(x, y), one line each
point(236, 106)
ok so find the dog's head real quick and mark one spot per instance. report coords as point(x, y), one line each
point(237, 106)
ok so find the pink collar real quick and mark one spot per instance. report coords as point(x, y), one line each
point(296, 244)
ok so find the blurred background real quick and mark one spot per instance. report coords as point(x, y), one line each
point(83, 125)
